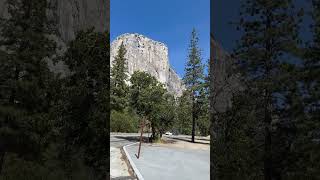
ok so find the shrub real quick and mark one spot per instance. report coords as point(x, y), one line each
point(124, 122)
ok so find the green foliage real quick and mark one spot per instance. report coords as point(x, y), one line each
point(193, 78)
point(145, 92)
point(51, 127)
point(203, 122)
point(256, 135)
point(119, 76)
point(203, 125)
point(307, 143)
point(184, 105)
point(124, 121)
point(26, 92)
point(184, 114)
point(85, 105)
point(163, 115)
point(50, 168)
point(194, 69)
point(149, 102)
point(147, 99)
point(234, 148)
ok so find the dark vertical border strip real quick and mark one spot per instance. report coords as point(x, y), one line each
point(108, 114)
point(211, 89)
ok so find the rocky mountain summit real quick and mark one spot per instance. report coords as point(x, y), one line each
point(145, 54)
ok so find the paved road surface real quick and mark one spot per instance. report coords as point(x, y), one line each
point(118, 167)
point(119, 141)
point(167, 164)
point(163, 163)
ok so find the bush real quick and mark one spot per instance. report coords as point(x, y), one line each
point(203, 126)
point(124, 122)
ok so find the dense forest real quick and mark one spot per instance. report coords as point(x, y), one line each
point(272, 129)
point(51, 126)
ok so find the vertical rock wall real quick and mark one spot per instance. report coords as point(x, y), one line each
point(144, 54)
point(74, 15)
point(224, 82)
point(71, 16)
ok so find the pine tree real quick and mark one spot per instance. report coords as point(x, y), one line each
point(119, 76)
point(203, 104)
point(184, 114)
point(194, 76)
point(267, 71)
point(307, 144)
point(85, 107)
point(312, 59)
point(25, 80)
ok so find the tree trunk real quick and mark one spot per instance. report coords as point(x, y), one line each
point(268, 155)
point(153, 132)
point(2, 156)
point(193, 119)
point(267, 107)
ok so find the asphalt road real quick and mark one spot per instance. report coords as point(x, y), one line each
point(159, 163)
point(121, 139)
point(119, 169)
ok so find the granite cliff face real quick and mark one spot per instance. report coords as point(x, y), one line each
point(75, 15)
point(71, 16)
point(224, 81)
point(144, 54)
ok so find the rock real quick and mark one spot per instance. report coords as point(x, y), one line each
point(71, 16)
point(74, 15)
point(224, 81)
point(144, 54)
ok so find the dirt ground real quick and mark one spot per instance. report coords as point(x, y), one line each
point(118, 166)
point(201, 143)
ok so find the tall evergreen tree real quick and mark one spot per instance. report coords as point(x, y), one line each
point(307, 166)
point(265, 64)
point(203, 103)
point(119, 76)
point(85, 107)
point(311, 63)
point(184, 114)
point(25, 80)
point(193, 78)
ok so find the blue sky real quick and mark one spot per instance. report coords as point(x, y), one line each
point(167, 21)
point(225, 11)
point(222, 13)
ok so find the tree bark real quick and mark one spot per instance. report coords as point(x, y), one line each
point(2, 156)
point(193, 118)
point(153, 132)
point(268, 155)
point(268, 170)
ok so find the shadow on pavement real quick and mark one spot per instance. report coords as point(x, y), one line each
point(124, 178)
point(187, 140)
point(133, 138)
point(146, 139)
